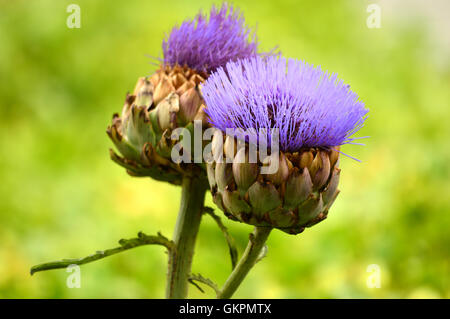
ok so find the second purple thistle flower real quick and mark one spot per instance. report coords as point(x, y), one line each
point(314, 113)
point(205, 44)
point(171, 98)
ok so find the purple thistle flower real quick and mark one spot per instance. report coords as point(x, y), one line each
point(310, 107)
point(205, 45)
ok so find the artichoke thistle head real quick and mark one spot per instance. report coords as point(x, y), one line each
point(171, 97)
point(312, 113)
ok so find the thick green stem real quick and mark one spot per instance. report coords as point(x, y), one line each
point(247, 261)
point(185, 234)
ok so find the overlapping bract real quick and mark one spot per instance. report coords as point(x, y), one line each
point(168, 99)
point(298, 195)
point(310, 107)
point(205, 44)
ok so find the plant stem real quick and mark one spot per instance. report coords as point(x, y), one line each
point(185, 234)
point(247, 261)
point(125, 244)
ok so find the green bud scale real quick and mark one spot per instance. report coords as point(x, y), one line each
point(298, 195)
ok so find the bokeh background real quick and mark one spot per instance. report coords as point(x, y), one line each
point(62, 197)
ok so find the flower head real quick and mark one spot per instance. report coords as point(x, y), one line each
point(309, 107)
point(205, 45)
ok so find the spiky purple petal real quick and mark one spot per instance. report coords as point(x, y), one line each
point(310, 107)
point(205, 45)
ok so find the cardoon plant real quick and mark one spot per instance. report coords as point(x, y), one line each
point(310, 112)
point(280, 124)
point(168, 99)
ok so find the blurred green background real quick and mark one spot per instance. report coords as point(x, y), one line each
point(62, 197)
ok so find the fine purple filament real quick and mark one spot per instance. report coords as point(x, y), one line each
point(205, 44)
point(309, 107)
